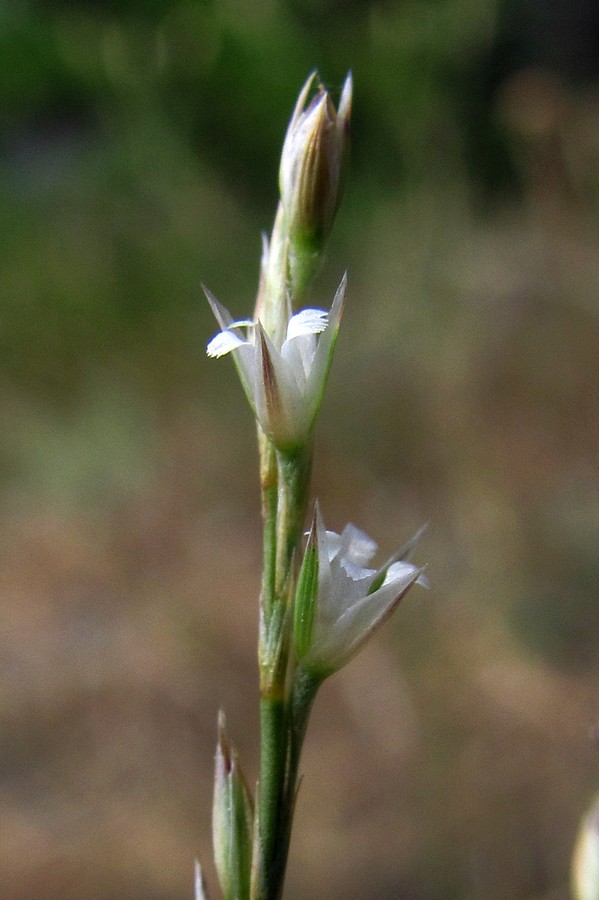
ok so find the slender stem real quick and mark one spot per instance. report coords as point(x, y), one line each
point(294, 482)
point(305, 687)
point(273, 753)
point(283, 729)
point(272, 707)
point(274, 816)
point(285, 480)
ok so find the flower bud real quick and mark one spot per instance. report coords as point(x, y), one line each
point(310, 175)
point(232, 821)
point(585, 863)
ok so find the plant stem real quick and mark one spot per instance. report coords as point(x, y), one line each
point(294, 482)
point(305, 687)
point(285, 481)
point(273, 753)
point(283, 728)
point(281, 542)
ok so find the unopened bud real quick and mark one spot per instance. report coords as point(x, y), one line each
point(310, 176)
point(232, 821)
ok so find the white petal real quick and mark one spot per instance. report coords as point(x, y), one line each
point(295, 422)
point(356, 545)
point(356, 572)
point(223, 343)
point(297, 366)
point(360, 620)
point(399, 570)
point(299, 354)
point(307, 321)
point(324, 566)
point(333, 543)
point(344, 592)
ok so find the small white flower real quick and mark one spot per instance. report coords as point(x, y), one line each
point(341, 601)
point(284, 384)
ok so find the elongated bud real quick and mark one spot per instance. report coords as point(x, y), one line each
point(310, 176)
point(232, 821)
point(585, 863)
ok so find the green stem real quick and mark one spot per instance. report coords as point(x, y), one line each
point(304, 692)
point(285, 480)
point(305, 687)
point(278, 586)
point(273, 753)
point(294, 482)
point(283, 729)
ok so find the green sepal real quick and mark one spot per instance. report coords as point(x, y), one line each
point(306, 596)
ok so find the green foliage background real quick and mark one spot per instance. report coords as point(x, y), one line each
point(139, 148)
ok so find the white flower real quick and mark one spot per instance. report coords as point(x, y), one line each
point(340, 602)
point(284, 384)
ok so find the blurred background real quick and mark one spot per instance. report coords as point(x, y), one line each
point(139, 147)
